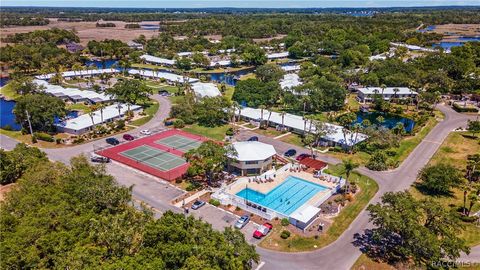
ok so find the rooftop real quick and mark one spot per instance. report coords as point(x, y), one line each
point(251, 151)
point(305, 213)
point(157, 60)
point(386, 91)
point(73, 93)
point(289, 81)
point(73, 73)
point(205, 89)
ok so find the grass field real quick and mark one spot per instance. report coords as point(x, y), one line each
point(215, 133)
point(295, 243)
point(150, 111)
point(78, 107)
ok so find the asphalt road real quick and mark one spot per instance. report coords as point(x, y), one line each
point(341, 254)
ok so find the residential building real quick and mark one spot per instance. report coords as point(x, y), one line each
point(367, 94)
point(252, 158)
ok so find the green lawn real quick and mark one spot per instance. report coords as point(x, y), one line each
point(8, 92)
point(229, 92)
point(150, 111)
point(78, 107)
point(215, 133)
point(295, 243)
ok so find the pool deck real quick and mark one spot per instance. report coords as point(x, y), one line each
point(281, 176)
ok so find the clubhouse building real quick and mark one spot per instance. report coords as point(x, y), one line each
point(253, 158)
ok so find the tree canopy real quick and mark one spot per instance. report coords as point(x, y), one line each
point(409, 230)
point(42, 108)
point(76, 217)
point(254, 92)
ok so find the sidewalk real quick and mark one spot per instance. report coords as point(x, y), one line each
point(191, 198)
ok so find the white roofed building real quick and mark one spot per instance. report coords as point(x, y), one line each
point(73, 94)
point(205, 90)
point(367, 94)
point(83, 123)
point(170, 77)
point(298, 124)
point(158, 60)
point(277, 55)
point(80, 73)
point(252, 158)
point(289, 81)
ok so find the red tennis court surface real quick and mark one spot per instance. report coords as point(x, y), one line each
point(172, 143)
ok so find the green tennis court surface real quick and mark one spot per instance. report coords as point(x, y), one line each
point(153, 157)
point(179, 142)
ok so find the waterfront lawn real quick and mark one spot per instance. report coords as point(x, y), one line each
point(214, 133)
point(295, 243)
point(78, 107)
point(8, 92)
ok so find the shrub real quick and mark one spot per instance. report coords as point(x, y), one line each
point(238, 208)
point(178, 180)
point(285, 234)
point(7, 127)
point(459, 108)
point(378, 161)
point(285, 222)
point(43, 137)
point(229, 132)
point(179, 123)
point(34, 139)
point(214, 202)
point(469, 219)
point(58, 140)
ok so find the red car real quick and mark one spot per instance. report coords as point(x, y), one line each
point(262, 230)
point(128, 137)
point(304, 156)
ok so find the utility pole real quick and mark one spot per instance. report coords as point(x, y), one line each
point(29, 124)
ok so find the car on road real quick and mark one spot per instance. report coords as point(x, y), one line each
point(304, 156)
point(197, 204)
point(145, 132)
point(128, 137)
point(290, 153)
point(242, 221)
point(253, 139)
point(112, 141)
point(262, 230)
point(99, 159)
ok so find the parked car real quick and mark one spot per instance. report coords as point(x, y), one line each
point(242, 221)
point(145, 132)
point(253, 139)
point(304, 156)
point(112, 141)
point(168, 123)
point(262, 230)
point(97, 158)
point(128, 137)
point(197, 204)
point(290, 153)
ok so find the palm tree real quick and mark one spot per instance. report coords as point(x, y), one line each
point(395, 91)
point(262, 107)
point(349, 166)
point(282, 114)
point(100, 107)
point(383, 86)
point(76, 67)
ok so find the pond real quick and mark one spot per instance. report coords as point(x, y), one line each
point(7, 118)
point(3, 81)
point(390, 121)
point(101, 64)
point(152, 27)
point(447, 45)
point(229, 78)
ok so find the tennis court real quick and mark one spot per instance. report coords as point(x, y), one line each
point(179, 142)
point(153, 157)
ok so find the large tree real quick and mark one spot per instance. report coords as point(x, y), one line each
point(14, 163)
point(212, 111)
point(208, 160)
point(42, 109)
point(130, 91)
point(253, 55)
point(439, 179)
point(408, 230)
point(269, 72)
point(254, 93)
point(77, 217)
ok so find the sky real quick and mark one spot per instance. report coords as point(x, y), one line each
point(237, 3)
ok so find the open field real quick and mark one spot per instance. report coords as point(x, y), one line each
point(86, 30)
point(455, 30)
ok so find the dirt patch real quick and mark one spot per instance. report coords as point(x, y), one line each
point(4, 190)
point(453, 31)
point(87, 30)
point(260, 40)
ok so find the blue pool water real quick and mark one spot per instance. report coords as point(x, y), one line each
point(101, 64)
point(286, 197)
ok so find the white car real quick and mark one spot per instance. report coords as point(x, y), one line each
point(145, 132)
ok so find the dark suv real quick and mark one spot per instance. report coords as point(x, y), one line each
point(112, 141)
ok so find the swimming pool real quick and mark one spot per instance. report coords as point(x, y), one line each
point(286, 197)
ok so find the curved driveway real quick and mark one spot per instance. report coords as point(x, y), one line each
point(341, 254)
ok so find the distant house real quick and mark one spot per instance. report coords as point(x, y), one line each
point(158, 60)
point(205, 90)
point(134, 45)
point(74, 47)
point(252, 158)
point(367, 94)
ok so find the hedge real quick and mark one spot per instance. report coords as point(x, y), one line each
point(459, 108)
point(43, 137)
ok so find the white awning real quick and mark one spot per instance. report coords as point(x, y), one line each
point(305, 213)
